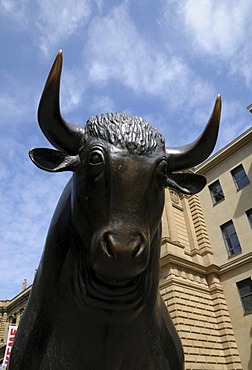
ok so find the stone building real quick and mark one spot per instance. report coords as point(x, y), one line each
point(198, 283)
point(190, 286)
point(10, 314)
point(227, 208)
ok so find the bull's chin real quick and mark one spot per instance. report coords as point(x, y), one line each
point(114, 295)
point(114, 282)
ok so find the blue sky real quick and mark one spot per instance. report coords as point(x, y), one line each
point(165, 60)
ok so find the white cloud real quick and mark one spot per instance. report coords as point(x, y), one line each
point(100, 4)
point(235, 120)
point(15, 9)
point(103, 104)
point(217, 28)
point(48, 23)
point(58, 20)
point(122, 54)
point(27, 200)
point(18, 100)
point(72, 90)
point(220, 30)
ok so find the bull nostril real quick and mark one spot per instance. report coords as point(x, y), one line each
point(137, 247)
point(106, 245)
point(122, 246)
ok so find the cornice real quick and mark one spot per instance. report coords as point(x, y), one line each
point(235, 263)
point(19, 300)
point(206, 270)
point(225, 152)
point(172, 259)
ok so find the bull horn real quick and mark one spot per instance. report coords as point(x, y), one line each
point(190, 155)
point(62, 135)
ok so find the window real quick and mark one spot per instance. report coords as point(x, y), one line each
point(230, 238)
point(245, 291)
point(216, 192)
point(240, 177)
point(249, 215)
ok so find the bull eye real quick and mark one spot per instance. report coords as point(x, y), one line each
point(96, 158)
point(96, 162)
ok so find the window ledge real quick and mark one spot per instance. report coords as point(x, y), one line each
point(237, 190)
point(234, 255)
point(247, 313)
point(219, 201)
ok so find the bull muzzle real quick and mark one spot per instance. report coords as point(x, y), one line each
point(120, 256)
point(123, 246)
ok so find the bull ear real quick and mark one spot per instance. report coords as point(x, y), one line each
point(186, 183)
point(53, 160)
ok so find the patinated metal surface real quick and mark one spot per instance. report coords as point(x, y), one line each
point(95, 302)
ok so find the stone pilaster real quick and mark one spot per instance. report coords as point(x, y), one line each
point(198, 309)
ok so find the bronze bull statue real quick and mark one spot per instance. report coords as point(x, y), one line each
point(95, 302)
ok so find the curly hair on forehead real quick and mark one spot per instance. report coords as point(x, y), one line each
point(126, 131)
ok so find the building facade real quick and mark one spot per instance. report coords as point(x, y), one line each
point(200, 284)
point(227, 208)
point(191, 288)
point(10, 314)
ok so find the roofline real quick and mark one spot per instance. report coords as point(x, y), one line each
point(225, 152)
point(16, 297)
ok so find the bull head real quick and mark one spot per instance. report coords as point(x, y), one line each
point(68, 139)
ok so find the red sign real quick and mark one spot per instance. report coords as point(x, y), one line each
point(10, 340)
